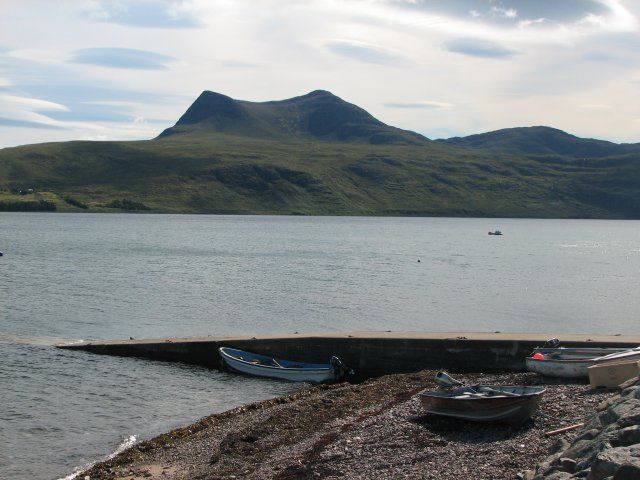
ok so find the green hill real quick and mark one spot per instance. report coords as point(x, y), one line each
point(312, 155)
point(319, 115)
point(541, 141)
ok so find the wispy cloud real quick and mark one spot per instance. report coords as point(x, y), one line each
point(423, 104)
point(121, 58)
point(476, 47)
point(364, 52)
point(504, 12)
point(32, 104)
point(150, 13)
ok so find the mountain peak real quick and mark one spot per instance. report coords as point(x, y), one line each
point(318, 115)
point(210, 106)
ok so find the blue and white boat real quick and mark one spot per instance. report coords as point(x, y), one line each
point(264, 366)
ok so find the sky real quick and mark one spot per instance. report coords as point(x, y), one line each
point(126, 70)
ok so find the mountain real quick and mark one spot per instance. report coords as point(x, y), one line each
point(319, 155)
point(541, 141)
point(318, 115)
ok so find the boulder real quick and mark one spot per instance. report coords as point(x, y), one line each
point(627, 472)
point(608, 462)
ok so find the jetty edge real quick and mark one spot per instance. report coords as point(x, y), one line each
point(369, 353)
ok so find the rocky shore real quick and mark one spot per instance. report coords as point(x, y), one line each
point(375, 429)
point(607, 447)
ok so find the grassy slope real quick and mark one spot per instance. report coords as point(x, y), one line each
point(218, 173)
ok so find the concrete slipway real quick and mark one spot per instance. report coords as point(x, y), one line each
point(368, 353)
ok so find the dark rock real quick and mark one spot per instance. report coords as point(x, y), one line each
point(567, 465)
point(626, 408)
point(609, 461)
point(561, 445)
point(630, 391)
point(627, 472)
point(588, 435)
point(626, 437)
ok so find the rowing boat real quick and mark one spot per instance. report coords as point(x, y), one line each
point(264, 366)
point(484, 403)
point(566, 362)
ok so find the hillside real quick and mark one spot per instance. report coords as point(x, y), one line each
point(319, 115)
point(312, 155)
point(541, 141)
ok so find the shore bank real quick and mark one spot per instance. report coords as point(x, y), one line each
point(375, 429)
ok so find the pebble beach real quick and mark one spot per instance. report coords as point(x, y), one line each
point(375, 429)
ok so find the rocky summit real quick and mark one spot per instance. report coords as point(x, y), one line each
point(316, 115)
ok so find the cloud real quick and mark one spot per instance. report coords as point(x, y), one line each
point(121, 58)
point(32, 104)
point(363, 52)
point(565, 11)
point(423, 104)
point(10, 122)
point(151, 13)
point(20, 111)
point(476, 47)
point(504, 12)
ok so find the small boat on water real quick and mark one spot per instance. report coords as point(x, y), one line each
point(264, 366)
point(484, 403)
point(566, 362)
point(495, 232)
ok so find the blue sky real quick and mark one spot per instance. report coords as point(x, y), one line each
point(115, 69)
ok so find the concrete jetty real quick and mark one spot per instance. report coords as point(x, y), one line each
point(369, 353)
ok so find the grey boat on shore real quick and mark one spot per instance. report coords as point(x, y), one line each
point(484, 403)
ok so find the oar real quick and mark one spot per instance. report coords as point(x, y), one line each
point(563, 429)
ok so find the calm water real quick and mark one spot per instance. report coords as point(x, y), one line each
point(67, 277)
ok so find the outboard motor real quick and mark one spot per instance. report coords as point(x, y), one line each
point(444, 380)
point(340, 370)
point(552, 343)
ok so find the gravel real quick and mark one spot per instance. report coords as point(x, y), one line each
point(375, 429)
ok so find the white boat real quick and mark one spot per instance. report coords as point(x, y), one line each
point(264, 366)
point(566, 362)
point(625, 356)
point(610, 375)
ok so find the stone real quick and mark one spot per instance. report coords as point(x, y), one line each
point(584, 449)
point(604, 404)
point(526, 475)
point(560, 445)
point(567, 465)
point(593, 422)
point(629, 407)
point(627, 471)
point(609, 461)
point(588, 435)
point(630, 392)
point(626, 437)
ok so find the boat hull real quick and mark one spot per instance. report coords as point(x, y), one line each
point(626, 356)
point(559, 368)
point(567, 362)
point(508, 409)
point(244, 365)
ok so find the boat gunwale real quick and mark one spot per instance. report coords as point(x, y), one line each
point(281, 368)
point(560, 360)
point(426, 393)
